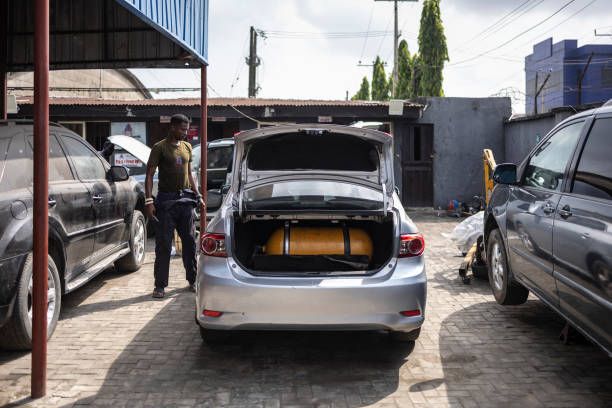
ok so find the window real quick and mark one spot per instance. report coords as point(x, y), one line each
point(76, 127)
point(59, 169)
point(220, 157)
point(306, 151)
point(18, 170)
point(606, 76)
point(594, 173)
point(88, 165)
point(547, 165)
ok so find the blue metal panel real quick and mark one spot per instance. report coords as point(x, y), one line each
point(183, 21)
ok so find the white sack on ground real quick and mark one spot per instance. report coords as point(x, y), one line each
point(467, 232)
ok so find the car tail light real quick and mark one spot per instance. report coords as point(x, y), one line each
point(411, 245)
point(213, 245)
point(411, 313)
point(211, 313)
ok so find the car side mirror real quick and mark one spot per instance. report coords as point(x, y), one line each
point(225, 189)
point(213, 199)
point(118, 173)
point(505, 174)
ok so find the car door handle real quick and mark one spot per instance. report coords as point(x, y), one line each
point(96, 198)
point(52, 202)
point(548, 208)
point(565, 212)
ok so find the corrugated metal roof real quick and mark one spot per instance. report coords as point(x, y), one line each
point(211, 102)
point(184, 21)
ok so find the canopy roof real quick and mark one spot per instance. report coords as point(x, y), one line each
point(109, 34)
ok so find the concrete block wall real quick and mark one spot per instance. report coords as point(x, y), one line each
point(463, 127)
point(520, 136)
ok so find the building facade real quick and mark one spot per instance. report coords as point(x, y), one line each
point(564, 74)
point(438, 141)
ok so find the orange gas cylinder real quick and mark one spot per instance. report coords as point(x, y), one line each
point(292, 240)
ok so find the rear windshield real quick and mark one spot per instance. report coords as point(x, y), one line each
point(314, 194)
point(300, 151)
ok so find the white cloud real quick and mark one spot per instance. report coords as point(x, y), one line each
point(326, 69)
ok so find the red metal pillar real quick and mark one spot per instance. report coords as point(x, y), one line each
point(41, 187)
point(3, 59)
point(204, 146)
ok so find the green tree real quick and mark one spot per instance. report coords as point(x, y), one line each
point(416, 74)
point(380, 86)
point(432, 49)
point(404, 68)
point(364, 92)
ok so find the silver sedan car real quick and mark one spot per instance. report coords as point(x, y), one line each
point(311, 236)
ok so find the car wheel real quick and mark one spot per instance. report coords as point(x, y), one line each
point(402, 337)
point(138, 241)
point(17, 333)
point(214, 337)
point(505, 289)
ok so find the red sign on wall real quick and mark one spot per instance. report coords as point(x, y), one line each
point(193, 133)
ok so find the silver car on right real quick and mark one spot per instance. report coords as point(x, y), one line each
point(311, 235)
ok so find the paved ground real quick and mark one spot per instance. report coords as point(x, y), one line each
point(115, 346)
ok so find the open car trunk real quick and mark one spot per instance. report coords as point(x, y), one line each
point(313, 246)
point(313, 200)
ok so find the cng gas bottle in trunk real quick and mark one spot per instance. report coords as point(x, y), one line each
point(297, 240)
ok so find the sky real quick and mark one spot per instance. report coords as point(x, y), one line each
point(311, 65)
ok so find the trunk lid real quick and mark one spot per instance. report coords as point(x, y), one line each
point(324, 168)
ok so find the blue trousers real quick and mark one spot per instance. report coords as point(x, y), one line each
point(174, 212)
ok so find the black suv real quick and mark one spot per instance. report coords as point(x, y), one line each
point(95, 220)
point(548, 227)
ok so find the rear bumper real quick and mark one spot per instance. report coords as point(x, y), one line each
point(334, 303)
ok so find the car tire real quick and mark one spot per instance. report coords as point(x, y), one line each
point(214, 337)
point(506, 290)
point(16, 334)
point(138, 240)
point(403, 337)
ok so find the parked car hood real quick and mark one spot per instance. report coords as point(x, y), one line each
point(134, 147)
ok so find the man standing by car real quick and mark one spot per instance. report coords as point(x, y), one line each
point(173, 208)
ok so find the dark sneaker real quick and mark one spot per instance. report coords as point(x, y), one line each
point(192, 287)
point(158, 293)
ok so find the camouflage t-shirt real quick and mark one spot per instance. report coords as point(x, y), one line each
point(173, 163)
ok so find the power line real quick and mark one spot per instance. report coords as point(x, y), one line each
point(365, 40)
point(312, 35)
point(557, 25)
point(383, 39)
point(516, 36)
point(493, 25)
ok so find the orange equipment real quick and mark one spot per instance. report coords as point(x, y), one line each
point(319, 241)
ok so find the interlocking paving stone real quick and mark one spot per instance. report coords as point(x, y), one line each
point(116, 346)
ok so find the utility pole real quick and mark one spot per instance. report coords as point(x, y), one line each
point(538, 91)
point(396, 36)
point(253, 62)
point(581, 78)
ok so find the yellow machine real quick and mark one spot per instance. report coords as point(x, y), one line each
point(319, 241)
point(474, 259)
point(489, 167)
